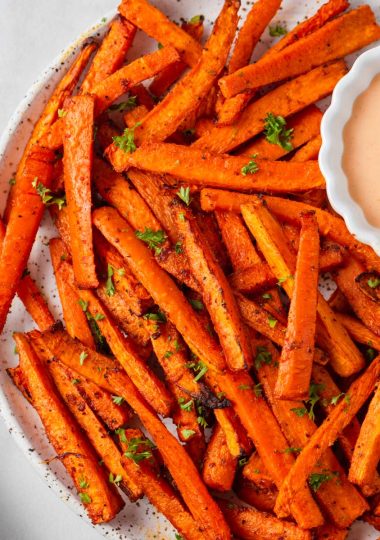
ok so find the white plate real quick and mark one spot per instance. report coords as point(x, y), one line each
point(137, 521)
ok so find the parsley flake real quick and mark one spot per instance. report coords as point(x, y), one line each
point(184, 195)
point(278, 30)
point(187, 433)
point(158, 317)
point(276, 132)
point(110, 287)
point(124, 105)
point(47, 196)
point(272, 321)
point(317, 479)
point(196, 19)
point(118, 400)
point(85, 498)
point(373, 283)
point(185, 405)
point(82, 357)
point(122, 436)
point(263, 356)
point(126, 142)
point(251, 167)
point(12, 181)
point(154, 239)
point(133, 446)
point(115, 479)
point(197, 304)
point(61, 113)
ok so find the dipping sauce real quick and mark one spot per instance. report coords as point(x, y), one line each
point(361, 155)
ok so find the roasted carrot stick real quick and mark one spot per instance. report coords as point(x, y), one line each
point(77, 162)
point(330, 532)
point(237, 440)
point(327, 433)
point(309, 151)
point(305, 125)
point(289, 211)
point(256, 472)
point(23, 223)
point(217, 294)
point(106, 373)
point(100, 498)
point(159, 492)
point(219, 171)
point(296, 359)
point(35, 303)
point(148, 384)
point(260, 498)
point(111, 54)
point(358, 331)
point(157, 25)
point(253, 412)
point(250, 524)
point(345, 357)
point(219, 466)
point(289, 98)
point(324, 45)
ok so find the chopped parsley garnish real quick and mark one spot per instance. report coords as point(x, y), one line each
point(159, 317)
point(242, 462)
point(370, 354)
point(335, 399)
point(124, 105)
point(133, 446)
point(179, 537)
point(12, 181)
point(272, 321)
point(283, 279)
point(278, 30)
point(187, 433)
point(110, 287)
point(168, 354)
point(126, 142)
point(292, 450)
point(373, 283)
point(266, 296)
point(98, 336)
point(99, 316)
point(83, 484)
point(47, 196)
point(82, 357)
point(118, 400)
point(317, 479)
point(75, 381)
point(197, 19)
point(197, 304)
point(178, 247)
point(115, 479)
point(251, 167)
point(199, 367)
point(186, 405)
point(312, 400)
point(181, 216)
point(154, 239)
point(263, 356)
point(85, 498)
point(258, 390)
point(122, 436)
point(244, 387)
point(61, 113)
point(276, 132)
point(184, 195)
point(299, 411)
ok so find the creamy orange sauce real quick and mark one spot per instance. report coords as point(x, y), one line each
point(361, 155)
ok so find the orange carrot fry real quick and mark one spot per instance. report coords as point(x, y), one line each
point(216, 294)
point(327, 433)
point(111, 54)
point(289, 98)
point(158, 490)
point(306, 124)
point(145, 380)
point(256, 278)
point(154, 23)
point(171, 74)
point(297, 353)
point(256, 472)
point(345, 357)
point(24, 220)
point(100, 498)
point(358, 331)
point(309, 151)
point(250, 524)
point(235, 434)
point(330, 532)
point(219, 466)
point(289, 211)
point(202, 168)
point(105, 372)
point(35, 303)
point(135, 116)
point(253, 411)
point(260, 498)
point(324, 45)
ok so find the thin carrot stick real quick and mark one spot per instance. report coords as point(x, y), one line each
point(219, 466)
point(358, 331)
point(35, 303)
point(309, 151)
point(260, 498)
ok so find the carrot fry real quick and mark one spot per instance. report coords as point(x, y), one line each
point(35, 303)
point(219, 466)
point(236, 437)
point(330, 532)
point(358, 331)
point(250, 524)
point(23, 223)
point(154, 23)
point(101, 499)
point(366, 309)
point(289, 211)
point(63, 90)
point(305, 125)
point(324, 45)
point(253, 412)
point(289, 98)
point(217, 295)
point(186, 96)
point(340, 500)
point(77, 162)
point(296, 359)
point(254, 279)
point(111, 54)
point(327, 433)
point(135, 116)
point(205, 169)
point(159, 492)
point(309, 151)
point(367, 449)
point(106, 373)
point(177, 265)
point(148, 384)
point(260, 498)
point(163, 81)
point(345, 357)
point(144, 98)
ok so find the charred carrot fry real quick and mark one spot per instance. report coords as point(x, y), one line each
point(163, 81)
point(322, 46)
point(289, 98)
point(358, 331)
point(111, 54)
point(216, 294)
point(146, 381)
point(78, 125)
point(219, 466)
point(345, 357)
point(296, 359)
point(23, 223)
point(157, 25)
point(159, 492)
point(305, 125)
point(253, 412)
point(108, 374)
point(309, 151)
point(250, 524)
point(366, 309)
point(102, 502)
point(327, 433)
point(219, 171)
point(289, 211)
point(260, 498)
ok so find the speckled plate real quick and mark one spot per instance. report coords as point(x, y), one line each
point(136, 521)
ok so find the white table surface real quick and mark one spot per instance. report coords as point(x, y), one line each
point(32, 34)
